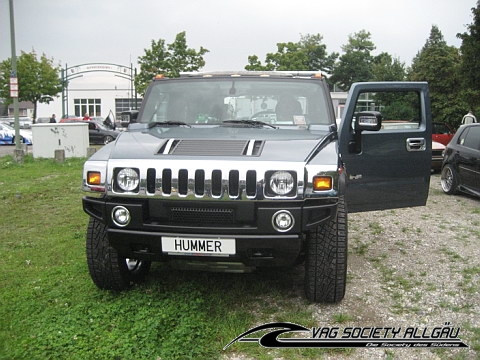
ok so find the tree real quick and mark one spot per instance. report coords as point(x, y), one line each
point(386, 68)
point(470, 62)
point(308, 54)
point(169, 60)
point(437, 63)
point(38, 80)
point(356, 62)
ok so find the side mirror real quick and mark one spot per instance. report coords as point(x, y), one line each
point(364, 121)
point(368, 121)
point(129, 117)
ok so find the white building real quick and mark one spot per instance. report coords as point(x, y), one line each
point(97, 89)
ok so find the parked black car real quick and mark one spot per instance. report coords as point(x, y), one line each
point(461, 162)
point(98, 133)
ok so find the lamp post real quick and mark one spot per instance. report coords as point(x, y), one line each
point(14, 88)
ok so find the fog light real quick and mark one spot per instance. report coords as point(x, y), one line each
point(283, 220)
point(121, 216)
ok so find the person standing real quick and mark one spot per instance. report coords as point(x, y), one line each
point(87, 117)
point(469, 118)
point(52, 119)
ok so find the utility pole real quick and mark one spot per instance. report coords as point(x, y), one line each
point(14, 88)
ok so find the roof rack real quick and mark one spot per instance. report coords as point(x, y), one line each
point(292, 73)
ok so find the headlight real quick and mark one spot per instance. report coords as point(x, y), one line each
point(281, 183)
point(128, 179)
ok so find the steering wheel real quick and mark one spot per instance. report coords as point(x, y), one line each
point(264, 112)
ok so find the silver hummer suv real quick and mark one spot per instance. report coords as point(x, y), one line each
point(236, 171)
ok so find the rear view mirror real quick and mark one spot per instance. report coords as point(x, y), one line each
point(368, 121)
point(129, 117)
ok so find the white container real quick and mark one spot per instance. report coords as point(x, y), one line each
point(69, 137)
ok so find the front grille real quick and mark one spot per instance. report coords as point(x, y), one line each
point(201, 183)
point(200, 216)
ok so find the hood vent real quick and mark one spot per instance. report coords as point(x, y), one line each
point(193, 147)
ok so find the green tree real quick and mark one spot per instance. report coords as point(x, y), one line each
point(438, 63)
point(169, 60)
point(386, 68)
point(308, 54)
point(38, 79)
point(470, 62)
point(356, 62)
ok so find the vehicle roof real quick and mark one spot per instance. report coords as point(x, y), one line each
point(254, 74)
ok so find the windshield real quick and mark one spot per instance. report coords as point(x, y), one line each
point(208, 101)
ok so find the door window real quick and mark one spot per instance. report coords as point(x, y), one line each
point(401, 110)
point(471, 138)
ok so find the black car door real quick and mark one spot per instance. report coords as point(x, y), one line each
point(385, 144)
point(93, 133)
point(468, 158)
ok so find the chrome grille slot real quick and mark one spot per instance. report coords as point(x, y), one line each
point(251, 183)
point(199, 182)
point(217, 183)
point(233, 183)
point(183, 182)
point(166, 181)
point(151, 180)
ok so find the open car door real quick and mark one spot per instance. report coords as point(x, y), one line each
point(385, 139)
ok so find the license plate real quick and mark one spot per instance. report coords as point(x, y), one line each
point(198, 246)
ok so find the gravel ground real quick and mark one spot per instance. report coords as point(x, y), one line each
point(413, 267)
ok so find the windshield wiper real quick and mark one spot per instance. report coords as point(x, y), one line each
point(167, 123)
point(251, 123)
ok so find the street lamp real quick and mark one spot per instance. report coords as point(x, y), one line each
point(14, 88)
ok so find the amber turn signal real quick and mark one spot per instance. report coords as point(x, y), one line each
point(322, 183)
point(93, 178)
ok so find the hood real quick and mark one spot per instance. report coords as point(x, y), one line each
point(220, 142)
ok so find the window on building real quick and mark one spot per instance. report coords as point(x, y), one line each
point(91, 106)
point(126, 104)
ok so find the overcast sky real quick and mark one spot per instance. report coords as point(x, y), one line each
point(75, 32)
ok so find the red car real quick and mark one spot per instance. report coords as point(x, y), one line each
point(442, 133)
point(70, 118)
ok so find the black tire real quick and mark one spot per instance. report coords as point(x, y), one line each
point(107, 139)
point(326, 259)
point(449, 180)
point(107, 269)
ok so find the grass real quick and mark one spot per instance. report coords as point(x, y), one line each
point(50, 309)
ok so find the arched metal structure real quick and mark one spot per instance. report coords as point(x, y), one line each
point(76, 71)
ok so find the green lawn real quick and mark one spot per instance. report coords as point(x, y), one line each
point(50, 309)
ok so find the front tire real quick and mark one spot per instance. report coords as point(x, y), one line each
point(107, 268)
point(107, 139)
point(449, 180)
point(326, 259)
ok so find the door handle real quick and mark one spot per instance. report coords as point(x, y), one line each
point(416, 144)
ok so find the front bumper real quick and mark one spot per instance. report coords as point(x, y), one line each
point(249, 223)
